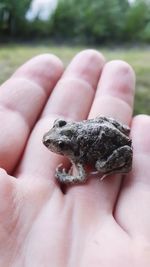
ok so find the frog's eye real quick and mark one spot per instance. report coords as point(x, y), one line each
point(60, 123)
point(61, 144)
point(68, 132)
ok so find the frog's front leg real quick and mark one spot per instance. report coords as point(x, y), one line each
point(63, 177)
point(120, 161)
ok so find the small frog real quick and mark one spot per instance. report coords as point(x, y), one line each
point(101, 143)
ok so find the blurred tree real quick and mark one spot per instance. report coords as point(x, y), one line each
point(137, 20)
point(104, 20)
point(145, 35)
point(12, 16)
point(89, 21)
point(64, 19)
point(96, 21)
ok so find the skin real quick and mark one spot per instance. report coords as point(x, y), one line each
point(104, 223)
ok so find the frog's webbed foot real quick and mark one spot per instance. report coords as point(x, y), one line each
point(65, 177)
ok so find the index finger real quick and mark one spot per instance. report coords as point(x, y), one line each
point(22, 98)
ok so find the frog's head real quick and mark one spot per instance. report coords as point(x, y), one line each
point(59, 138)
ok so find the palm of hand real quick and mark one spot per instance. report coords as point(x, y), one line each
point(98, 224)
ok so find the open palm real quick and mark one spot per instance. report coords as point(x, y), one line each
point(98, 224)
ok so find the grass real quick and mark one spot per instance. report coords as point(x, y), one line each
point(12, 56)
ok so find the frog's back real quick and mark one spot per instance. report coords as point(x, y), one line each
point(98, 139)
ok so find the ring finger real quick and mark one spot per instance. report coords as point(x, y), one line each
point(114, 98)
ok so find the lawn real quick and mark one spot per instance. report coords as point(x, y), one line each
point(12, 56)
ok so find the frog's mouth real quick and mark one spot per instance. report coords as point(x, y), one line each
point(55, 147)
point(46, 142)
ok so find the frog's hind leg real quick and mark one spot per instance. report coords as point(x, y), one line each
point(119, 161)
point(63, 177)
point(121, 127)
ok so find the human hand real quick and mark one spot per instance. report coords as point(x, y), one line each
point(104, 223)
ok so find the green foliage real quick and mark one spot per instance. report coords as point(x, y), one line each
point(145, 36)
point(87, 21)
point(64, 19)
point(12, 16)
point(137, 19)
point(38, 28)
point(97, 20)
point(104, 20)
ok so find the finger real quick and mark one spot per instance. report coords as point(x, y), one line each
point(71, 98)
point(134, 198)
point(115, 94)
point(22, 98)
point(114, 98)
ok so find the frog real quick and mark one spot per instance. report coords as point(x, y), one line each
point(103, 143)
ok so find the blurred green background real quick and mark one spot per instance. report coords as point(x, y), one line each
point(118, 28)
